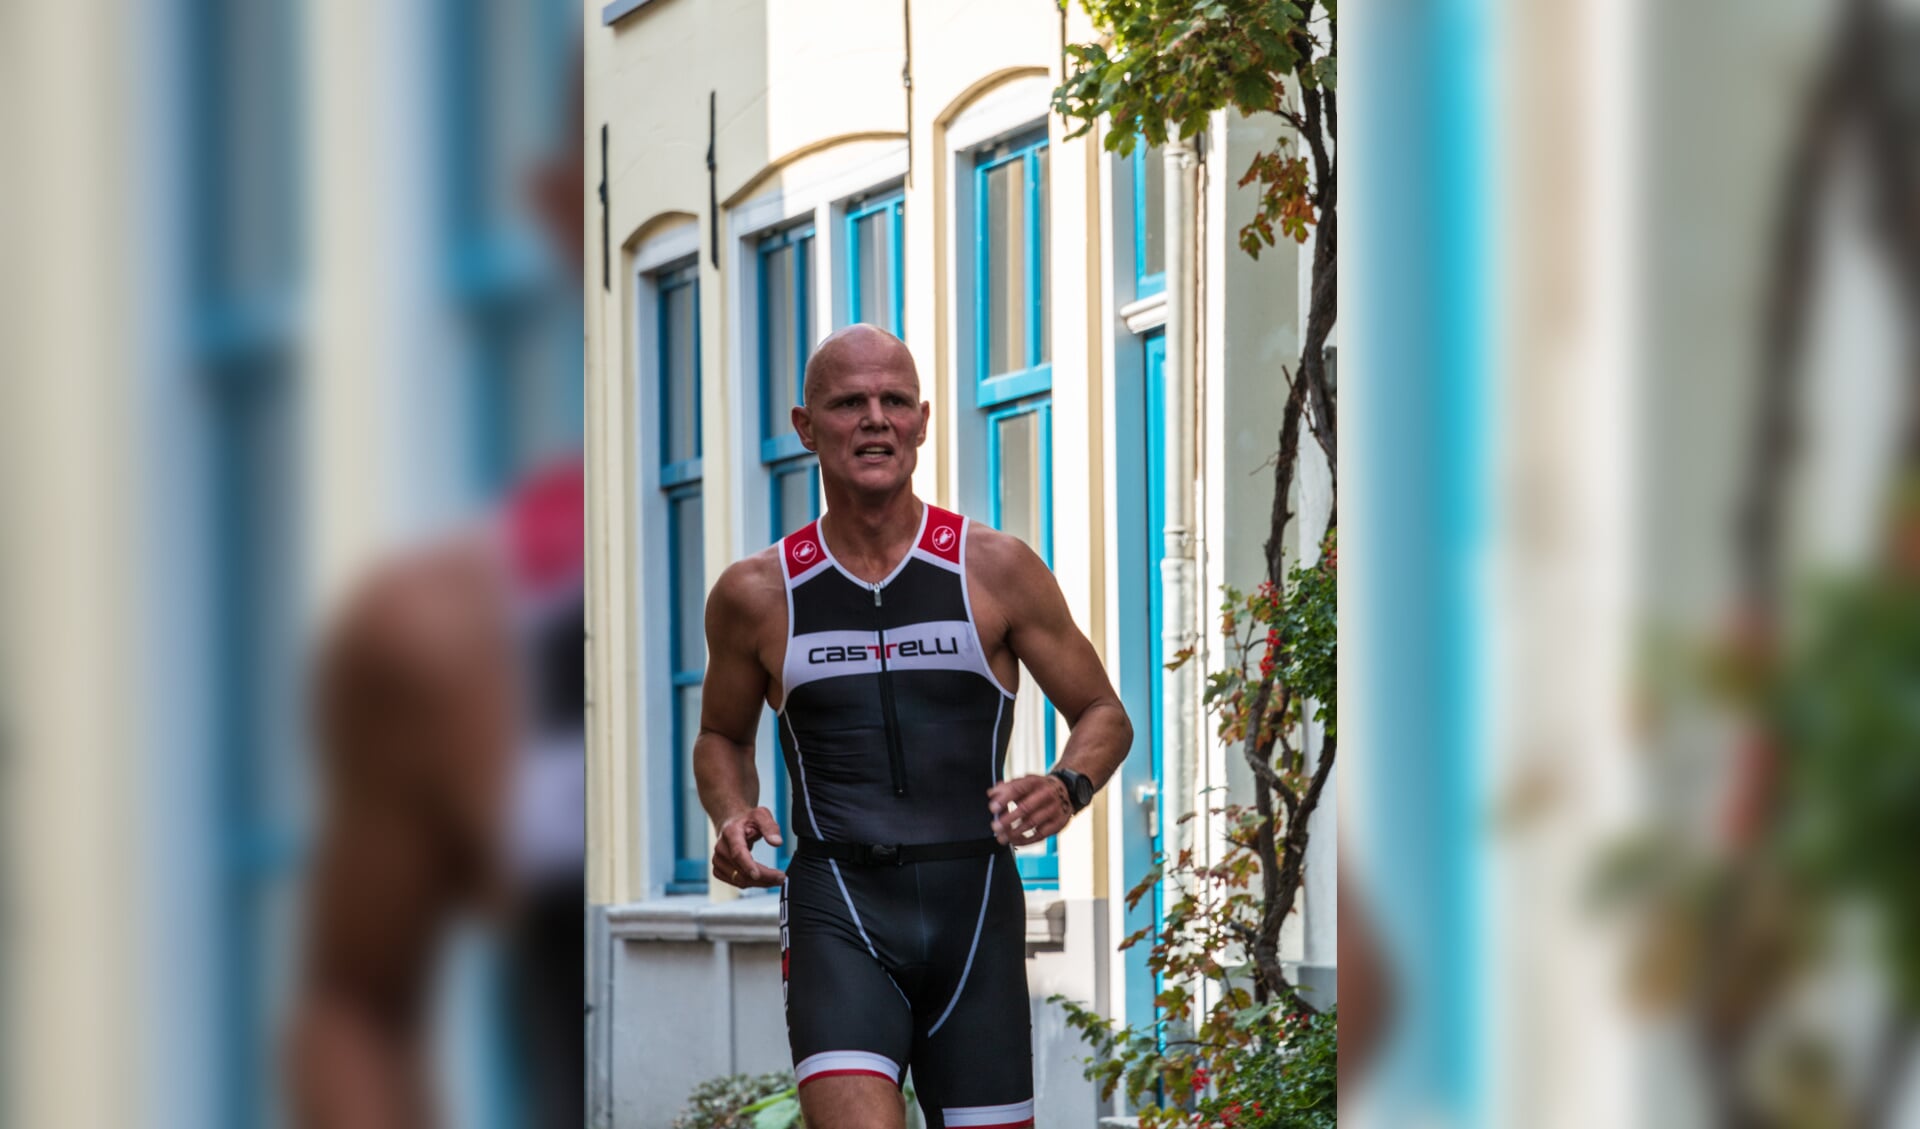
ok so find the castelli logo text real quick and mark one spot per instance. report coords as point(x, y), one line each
point(943, 538)
point(805, 551)
point(906, 649)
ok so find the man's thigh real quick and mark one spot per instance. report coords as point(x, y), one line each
point(846, 1017)
point(973, 1062)
point(853, 1101)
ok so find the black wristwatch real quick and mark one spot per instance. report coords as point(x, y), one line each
point(1079, 788)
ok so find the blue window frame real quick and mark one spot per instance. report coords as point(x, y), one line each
point(1020, 491)
point(1014, 380)
point(786, 336)
point(1149, 226)
point(876, 292)
point(245, 272)
point(795, 502)
point(1013, 337)
point(677, 316)
point(677, 365)
point(785, 289)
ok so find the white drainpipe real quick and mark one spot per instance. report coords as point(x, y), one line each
point(1178, 569)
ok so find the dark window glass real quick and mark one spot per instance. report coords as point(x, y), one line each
point(873, 261)
point(1153, 186)
point(689, 582)
point(680, 372)
point(778, 316)
point(1007, 294)
point(693, 820)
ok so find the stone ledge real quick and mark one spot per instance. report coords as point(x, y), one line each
point(756, 920)
point(1046, 921)
point(1147, 314)
point(620, 9)
point(685, 917)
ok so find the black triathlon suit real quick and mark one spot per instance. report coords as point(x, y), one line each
point(902, 921)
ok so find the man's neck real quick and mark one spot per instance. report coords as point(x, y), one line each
point(871, 539)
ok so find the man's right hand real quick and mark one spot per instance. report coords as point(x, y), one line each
point(733, 861)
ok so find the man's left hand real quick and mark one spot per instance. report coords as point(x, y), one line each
point(1029, 809)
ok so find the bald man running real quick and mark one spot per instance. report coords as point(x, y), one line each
point(888, 638)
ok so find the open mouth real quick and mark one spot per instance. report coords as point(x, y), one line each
point(873, 452)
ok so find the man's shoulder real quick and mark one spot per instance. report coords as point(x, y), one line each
point(750, 586)
point(1009, 582)
point(1001, 558)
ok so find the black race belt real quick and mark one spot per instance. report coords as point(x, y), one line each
point(898, 854)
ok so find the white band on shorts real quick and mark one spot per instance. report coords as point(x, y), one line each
point(829, 1063)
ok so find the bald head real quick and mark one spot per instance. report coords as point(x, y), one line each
point(857, 348)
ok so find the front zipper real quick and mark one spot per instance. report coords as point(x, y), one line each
point(895, 757)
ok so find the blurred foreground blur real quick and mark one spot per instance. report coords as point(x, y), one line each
point(287, 305)
point(1632, 616)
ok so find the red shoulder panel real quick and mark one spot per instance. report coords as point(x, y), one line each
point(802, 549)
point(942, 536)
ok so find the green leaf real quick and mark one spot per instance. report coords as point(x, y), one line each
point(783, 1114)
point(1252, 92)
point(772, 1099)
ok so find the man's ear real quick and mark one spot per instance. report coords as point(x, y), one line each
point(926, 415)
point(803, 426)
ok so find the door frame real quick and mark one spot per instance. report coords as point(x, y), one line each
point(1139, 417)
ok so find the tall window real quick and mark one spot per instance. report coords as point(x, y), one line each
point(793, 474)
point(875, 293)
point(245, 274)
point(505, 72)
point(1149, 223)
point(1015, 379)
point(1013, 334)
point(678, 365)
point(786, 341)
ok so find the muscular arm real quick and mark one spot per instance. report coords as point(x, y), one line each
point(1041, 633)
point(730, 700)
point(412, 689)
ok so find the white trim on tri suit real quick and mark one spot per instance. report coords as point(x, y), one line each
point(1011, 1116)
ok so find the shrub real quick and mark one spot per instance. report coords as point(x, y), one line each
point(742, 1101)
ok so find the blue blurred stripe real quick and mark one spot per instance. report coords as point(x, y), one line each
point(1415, 351)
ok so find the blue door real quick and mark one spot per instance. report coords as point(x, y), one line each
point(1139, 405)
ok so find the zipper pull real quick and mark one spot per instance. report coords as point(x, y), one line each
point(876, 595)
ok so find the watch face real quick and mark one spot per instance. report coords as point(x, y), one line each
point(1080, 787)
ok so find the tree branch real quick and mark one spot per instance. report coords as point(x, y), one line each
point(1311, 801)
point(1283, 470)
point(1259, 754)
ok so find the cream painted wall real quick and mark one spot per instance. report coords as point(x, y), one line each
point(797, 87)
point(69, 702)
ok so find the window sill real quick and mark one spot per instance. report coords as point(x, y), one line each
point(1046, 921)
point(1146, 315)
point(620, 9)
point(692, 917)
point(756, 920)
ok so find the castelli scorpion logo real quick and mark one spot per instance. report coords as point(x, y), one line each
point(943, 538)
point(805, 551)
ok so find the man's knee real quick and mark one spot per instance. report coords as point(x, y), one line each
point(853, 1101)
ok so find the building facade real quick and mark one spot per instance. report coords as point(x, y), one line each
point(1104, 367)
point(326, 325)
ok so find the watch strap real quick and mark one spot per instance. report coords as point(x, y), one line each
point(1068, 777)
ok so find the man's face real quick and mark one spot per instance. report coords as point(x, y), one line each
point(866, 424)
